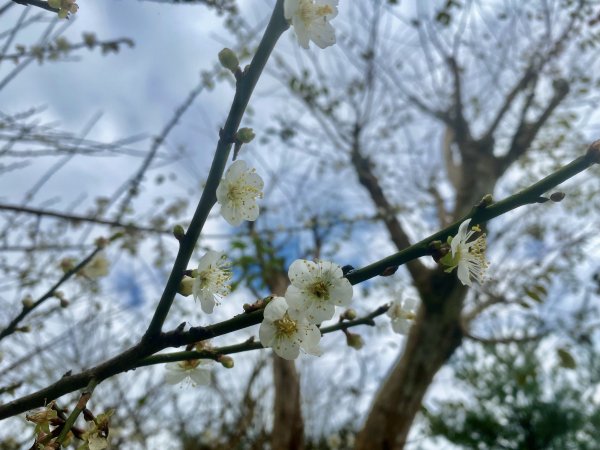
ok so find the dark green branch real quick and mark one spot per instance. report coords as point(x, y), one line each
point(481, 214)
point(245, 85)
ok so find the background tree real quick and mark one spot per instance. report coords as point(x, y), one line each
point(502, 114)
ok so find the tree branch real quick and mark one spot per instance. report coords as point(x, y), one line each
point(245, 86)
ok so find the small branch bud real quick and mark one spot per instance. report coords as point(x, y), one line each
point(557, 196)
point(349, 314)
point(27, 301)
point(186, 286)
point(178, 232)
point(245, 135)
point(226, 361)
point(101, 242)
point(486, 201)
point(593, 152)
point(354, 340)
point(229, 60)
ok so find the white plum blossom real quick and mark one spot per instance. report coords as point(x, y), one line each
point(210, 280)
point(194, 371)
point(403, 314)
point(237, 193)
point(97, 267)
point(468, 257)
point(315, 289)
point(310, 20)
point(97, 442)
point(286, 335)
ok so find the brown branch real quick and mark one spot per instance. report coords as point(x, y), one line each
point(26, 309)
point(363, 167)
point(527, 131)
point(157, 142)
point(462, 133)
point(522, 83)
point(81, 218)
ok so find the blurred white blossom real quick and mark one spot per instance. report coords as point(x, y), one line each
point(210, 280)
point(403, 314)
point(237, 193)
point(468, 257)
point(310, 20)
point(194, 371)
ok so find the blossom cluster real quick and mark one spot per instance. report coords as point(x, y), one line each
point(290, 322)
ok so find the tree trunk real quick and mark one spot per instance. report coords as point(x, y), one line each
point(436, 334)
point(288, 425)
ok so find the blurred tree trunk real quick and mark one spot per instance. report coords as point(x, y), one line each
point(436, 334)
point(288, 425)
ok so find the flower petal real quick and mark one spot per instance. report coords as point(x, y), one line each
point(341, 292)
point(302, 272)
point(200, 376)
point(275, 309)
point(267, 333)
point(286, 348)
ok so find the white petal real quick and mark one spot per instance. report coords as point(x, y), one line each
point(266, 333)
point(301, 31)
point(174, 374)
point(211, 258)
point(410, 304)
point(207, 301)
point(250, 211)
point(302, 272)
point(289, 8)
point(318, 312)
point(463, 273)
point(460, 237)
point(287, 348)
point(395, 308)
point(297, 300)
point(97, 443)
point(200, 376)
point(236, 170)
point(322, 34)
point(222, 190)
point(341, 292)
point(253, 179)
point(311, 336)
point(275, 309)
point(231, 214)
point(401, 326)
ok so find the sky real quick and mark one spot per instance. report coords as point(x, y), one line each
point(134, 93)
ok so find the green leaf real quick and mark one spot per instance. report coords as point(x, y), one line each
point(566, 360)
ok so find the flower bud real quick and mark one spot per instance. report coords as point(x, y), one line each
point(185, 287)
point(245, 135)
point(229, 60)
point(178, 232)
point(101, 242)
point(354, 340)
point(226, 361)
point(67, 264)
point(27, 301)
point(349, 314)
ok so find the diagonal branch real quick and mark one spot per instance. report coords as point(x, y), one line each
point(81, 218)
point(527, 131)
point(369, 181)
